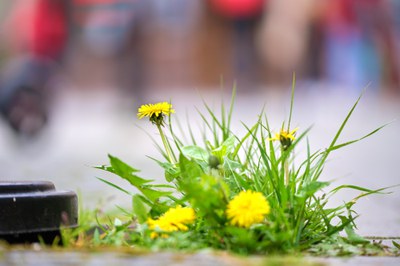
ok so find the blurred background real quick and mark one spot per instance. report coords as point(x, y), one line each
point(74, 72)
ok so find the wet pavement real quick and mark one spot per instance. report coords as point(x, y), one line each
point(87, 125)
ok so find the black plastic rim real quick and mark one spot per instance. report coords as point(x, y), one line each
point(30, 209)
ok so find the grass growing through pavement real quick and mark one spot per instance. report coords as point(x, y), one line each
point(243, 194)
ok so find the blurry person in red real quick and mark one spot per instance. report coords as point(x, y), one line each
point(35, 36)
point(243, 17)
point(359, 36)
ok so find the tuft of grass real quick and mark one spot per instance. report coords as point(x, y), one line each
point(206, 174)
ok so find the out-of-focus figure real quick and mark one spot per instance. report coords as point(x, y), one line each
point(359, 43)
point(109, 43)
point(376, 19)
point(284, 37)
point(35, 35)
point(243, 18)
point(171, 41)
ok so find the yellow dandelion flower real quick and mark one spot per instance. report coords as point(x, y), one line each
point(154, 235)
point(175, 219)
point(285, 137)
point(247, 208)
point(155, 112)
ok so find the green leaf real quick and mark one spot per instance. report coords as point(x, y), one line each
point(397, 245)
point(227, 147)
point(189, 169)
point(352, 236)
point(311, 188)
point(219, 152)
point(195, 152)
point(170, 170)
point(171, 174)
point(140, 209)
point(207, 194)
point(117, 222)
point(232, 165)
point(229, 143)
point(120, 226)
point(159, 208)
point(125, 171)
point(163, 186)
point(152, 194)
point(96, 237)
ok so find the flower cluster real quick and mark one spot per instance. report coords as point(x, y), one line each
point(175, 219)
point(247, 208)
point(240, 193)
point(244, 210)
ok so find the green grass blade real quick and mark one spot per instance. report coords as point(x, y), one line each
point(368, 191)
point(291, 101)
point(114, 186)
point(359, 139)
point(231, 106)
point(326, 153)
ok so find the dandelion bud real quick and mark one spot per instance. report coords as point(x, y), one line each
point(213, 162)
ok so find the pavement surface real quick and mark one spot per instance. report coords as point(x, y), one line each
point(44, 258)
point(86, 125)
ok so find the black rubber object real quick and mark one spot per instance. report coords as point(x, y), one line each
point(35, 211)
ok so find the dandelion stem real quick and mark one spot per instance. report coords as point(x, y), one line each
point(166, 145)
point(285, 165)
point(286, 169)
